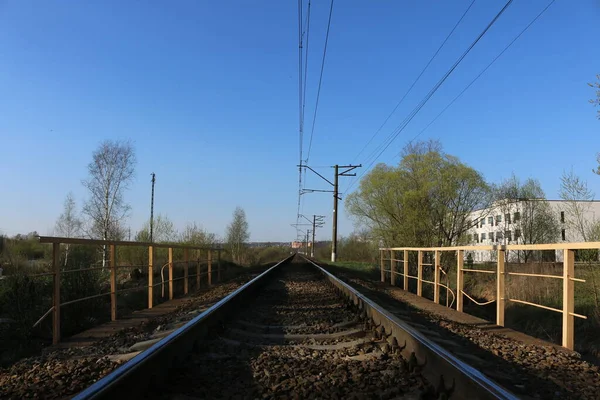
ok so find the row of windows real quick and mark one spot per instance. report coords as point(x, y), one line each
point(499, 236)
point(516, 217)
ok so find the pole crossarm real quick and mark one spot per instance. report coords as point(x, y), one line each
point(321, 176)
point(348, 169)
point(304, 191)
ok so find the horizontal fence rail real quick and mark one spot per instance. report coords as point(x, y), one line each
point(388, 255)
point(112, 267)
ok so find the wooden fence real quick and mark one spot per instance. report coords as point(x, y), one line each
point(568, 276)
point(112, 267)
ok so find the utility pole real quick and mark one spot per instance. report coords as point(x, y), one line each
point(307, 235)
point(317, 223)
point(152, 208)
point(346, 169)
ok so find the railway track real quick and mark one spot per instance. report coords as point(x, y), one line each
point(295, 331)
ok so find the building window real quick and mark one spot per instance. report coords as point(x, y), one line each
point(498, 236)
point(469, 238)
point(517, 233)
point(562, 217)
point(507, 218)
point(491, 236)
point(491, 221)
point(563, 234)
point(517, 216)
point(476, 238)
point(482, 223)
point(508, 235)
point(498, 219)
point(482, 237)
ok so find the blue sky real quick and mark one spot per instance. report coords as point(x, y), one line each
point(208, 93)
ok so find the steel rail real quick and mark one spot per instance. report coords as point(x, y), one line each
point(438, 365)
point(149, 367)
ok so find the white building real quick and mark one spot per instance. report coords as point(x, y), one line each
point(501, 224)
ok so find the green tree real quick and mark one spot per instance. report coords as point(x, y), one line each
point(425, 201)
point(238, 235)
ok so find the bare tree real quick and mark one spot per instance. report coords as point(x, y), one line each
point(164, 230)
point(536, 223)
point(577, 196)
point(238, 235)
point(68, 224)
point(596, 101)
point(196, 235)
point(110, 173)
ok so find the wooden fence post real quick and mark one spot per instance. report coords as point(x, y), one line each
point(381, 266)
point(56, 297)
point(436, 277)
point(420, 273)
point(568, 328)
point(392, 268)
point(198, 272)
point(500, 290)
point(460, 260)
point(113, 282)
point(186, 266)
point(150, 276)
point(405, 261)
point(170, 273)
point(209, 268)
point(219, 265)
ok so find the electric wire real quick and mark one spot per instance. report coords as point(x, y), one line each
point(320, 82)
point(414, 82)
point(390, 139)
point(483, 71)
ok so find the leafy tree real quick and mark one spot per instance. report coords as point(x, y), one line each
point(68, 224)
point(110, 173)
point(238, 235)
point(425, 201)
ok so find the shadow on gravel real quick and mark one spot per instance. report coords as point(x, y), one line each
point(521, 379)
point(229, 367)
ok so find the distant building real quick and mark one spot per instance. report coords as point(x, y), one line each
point(502, 224)
point(299, 245)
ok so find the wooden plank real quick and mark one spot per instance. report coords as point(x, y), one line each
point(436, 277)
point(209, 268)
point(56, 296)
point(405, 270)
point(547, 246)
point(218, 265)
point(392, 268)
point(460, 260)
point(150, 276)
point(54, 239)
point(420, 273)
point(113, 282)
point(171, 273)
point(568, 325)
point(198, 273)
point(381, 266)
point(500, 288)
point(186, 266)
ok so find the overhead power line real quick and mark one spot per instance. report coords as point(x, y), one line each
point(390, 139)
point(312, 131)
point(484, 70)
point(415, 81)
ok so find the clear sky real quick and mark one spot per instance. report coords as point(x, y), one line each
point(208, 93)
